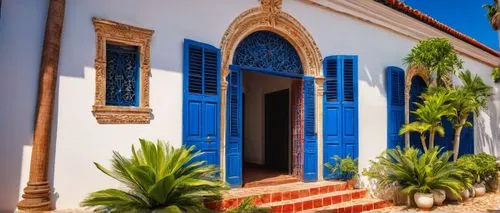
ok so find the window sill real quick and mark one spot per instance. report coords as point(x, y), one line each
point(121, 115)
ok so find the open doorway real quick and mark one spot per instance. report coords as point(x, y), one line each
point(267, 144)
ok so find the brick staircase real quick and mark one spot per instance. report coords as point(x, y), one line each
point(322, 196)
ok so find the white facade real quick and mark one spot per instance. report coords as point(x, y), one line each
point(77, 138)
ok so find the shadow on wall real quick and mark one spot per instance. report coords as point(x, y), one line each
point(486, 141)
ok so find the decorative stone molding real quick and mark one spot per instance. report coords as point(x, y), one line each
point(110, 31)
point(382, 16)
point(270, 17)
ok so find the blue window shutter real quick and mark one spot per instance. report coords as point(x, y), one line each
point(310, 145)
point(234, 130)
point(201, 101)
point(349, 106)
point(332, 119)
point(395, 84)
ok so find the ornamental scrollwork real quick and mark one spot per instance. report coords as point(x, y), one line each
point(267, 50)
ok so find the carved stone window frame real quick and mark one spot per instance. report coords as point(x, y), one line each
point(118, 33)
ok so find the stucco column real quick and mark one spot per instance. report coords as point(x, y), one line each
point(37, 194)
point(223, 96)
point(319, 123)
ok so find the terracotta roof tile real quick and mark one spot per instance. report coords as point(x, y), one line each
point(403, 8)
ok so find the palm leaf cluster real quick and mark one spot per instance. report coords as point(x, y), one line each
point(429, 115)
point(158, 178)
point(415, 171)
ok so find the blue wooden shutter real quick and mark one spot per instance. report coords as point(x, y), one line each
point(332, 144)
point(234, 131)
point(201, 105)
point(349, 103)
point(310, 145)
point(395, 84)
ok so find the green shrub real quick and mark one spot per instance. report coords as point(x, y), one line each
point(495, 74)
point(248, 207)
point(417, 172)
point(468, 164)
point(348, 167)
point(159, 178)
point(487, 166)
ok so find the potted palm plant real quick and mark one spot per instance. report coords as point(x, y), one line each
point(158, 178)
point(417, 173)
point(347, 168)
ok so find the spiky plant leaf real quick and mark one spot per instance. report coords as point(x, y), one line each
point(158, 178)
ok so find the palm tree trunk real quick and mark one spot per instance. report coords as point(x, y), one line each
point(37, 195)
point(432, 133)
point(422, 140)
point(456, 140)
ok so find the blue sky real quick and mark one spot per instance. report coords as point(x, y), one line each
point(465, 16)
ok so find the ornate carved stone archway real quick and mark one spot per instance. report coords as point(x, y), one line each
point(269, 17)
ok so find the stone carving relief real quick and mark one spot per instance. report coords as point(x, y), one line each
point(118, 33)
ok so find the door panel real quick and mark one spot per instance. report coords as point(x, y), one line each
point(201, 113)
point(310, 138)
point(234, 130)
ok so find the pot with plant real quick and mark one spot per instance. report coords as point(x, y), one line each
point(439, 196)
point(346, 169)
point(487, 171)
point(417, 173)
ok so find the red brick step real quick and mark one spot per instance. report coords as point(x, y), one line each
point(316, 201)
point(360, 205)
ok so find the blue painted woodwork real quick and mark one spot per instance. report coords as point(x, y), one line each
point(269, 51)
point(122, 75)
point(201, 100)
point(466, 137)
point(234, 129)
point(265, 71)
point(340, 110)
point(310, 136)
point(395, 84)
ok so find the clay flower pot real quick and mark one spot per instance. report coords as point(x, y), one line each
point(465, 195)
point(480, 189)
point(439, 196)
point(424, 200)
point(450, 196)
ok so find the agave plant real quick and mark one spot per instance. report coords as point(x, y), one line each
point(158, 178)
point(418, 172)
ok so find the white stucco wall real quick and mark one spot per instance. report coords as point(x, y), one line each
point(255, 87)
point(22, 26)
point(77, 138)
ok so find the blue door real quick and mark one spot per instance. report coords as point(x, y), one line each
point(395, 84)
point(234, 129)
point(418, 86)
point(340, 110)
point(310, 137)
point(201, 116)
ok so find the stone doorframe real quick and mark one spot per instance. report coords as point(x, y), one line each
point(269, 16)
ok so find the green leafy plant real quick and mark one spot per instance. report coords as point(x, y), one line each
point(495, 74)
point(467, 99)
point(492, 14)
point(348, 167)
point(468, 164)
point(158, 178)
point(487, 166)
point(417, 172)
point(247, 206)
point(428, 114)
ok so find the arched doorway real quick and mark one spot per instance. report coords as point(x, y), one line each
point(418, 86)
point(269, 18)
point(265, 110)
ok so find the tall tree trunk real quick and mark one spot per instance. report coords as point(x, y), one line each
point(422, 140)
point(36, 195)
point(456, 139)
point(432, 133)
